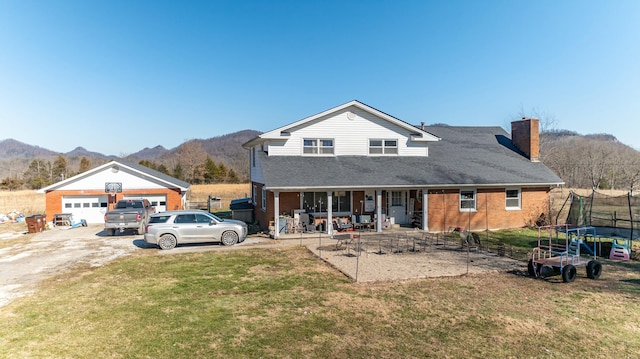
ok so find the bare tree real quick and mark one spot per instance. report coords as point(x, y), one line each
point(191, 157)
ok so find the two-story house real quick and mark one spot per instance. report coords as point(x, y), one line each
point(356, 160)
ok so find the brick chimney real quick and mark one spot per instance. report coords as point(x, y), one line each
point(525, 136)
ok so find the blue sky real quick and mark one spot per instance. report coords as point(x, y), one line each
point(117, 76)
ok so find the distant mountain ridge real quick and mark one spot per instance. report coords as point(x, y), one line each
point(15, 156)
point(10, 148)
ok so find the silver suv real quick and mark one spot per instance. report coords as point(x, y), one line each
point(168, 229)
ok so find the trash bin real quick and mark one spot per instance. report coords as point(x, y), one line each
point(35, 223)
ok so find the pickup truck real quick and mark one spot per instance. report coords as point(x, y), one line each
point(128, 214)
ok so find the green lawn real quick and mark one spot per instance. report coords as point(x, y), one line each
point(285, 303)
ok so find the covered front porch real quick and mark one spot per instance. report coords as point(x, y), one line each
point(342, 210)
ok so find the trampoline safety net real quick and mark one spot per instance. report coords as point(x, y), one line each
point(617, 216)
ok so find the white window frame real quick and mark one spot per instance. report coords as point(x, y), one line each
point(255, 195)
point(264, 198)
point(384, 148)
point(474, 199)
point(319, 147)
point(507, 198)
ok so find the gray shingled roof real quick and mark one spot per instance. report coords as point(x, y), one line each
point(472, 156)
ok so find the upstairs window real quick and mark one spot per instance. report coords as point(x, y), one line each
point(513, 199)
point(383, 147)
point(318, 146)
point(467, 201)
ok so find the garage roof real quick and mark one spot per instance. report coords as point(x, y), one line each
point(139, 170)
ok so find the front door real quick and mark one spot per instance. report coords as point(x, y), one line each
point(398, 207)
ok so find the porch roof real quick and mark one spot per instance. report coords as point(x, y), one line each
point(465, 157)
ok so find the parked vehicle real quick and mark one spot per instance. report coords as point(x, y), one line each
point(168, 229)
point(128, 214)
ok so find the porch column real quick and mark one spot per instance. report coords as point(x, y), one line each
point(329, 213)
point(276, 214)
point(378, 210)
point(425, 209)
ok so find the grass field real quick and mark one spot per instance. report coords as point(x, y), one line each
point(28, 202)
point(285, 303)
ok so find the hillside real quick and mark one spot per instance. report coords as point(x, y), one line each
point(582, 161)
point(16, 156)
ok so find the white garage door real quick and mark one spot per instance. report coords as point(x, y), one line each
point(158, 201)
point(89, 208)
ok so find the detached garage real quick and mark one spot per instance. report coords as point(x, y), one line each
point(90, 194)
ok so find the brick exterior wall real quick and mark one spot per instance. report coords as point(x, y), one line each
point(444, 208)
point(491, 212)
point(54, 198)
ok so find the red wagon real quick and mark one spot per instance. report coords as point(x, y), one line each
point(559, 248)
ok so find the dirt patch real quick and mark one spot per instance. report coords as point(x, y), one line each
point(383, 259)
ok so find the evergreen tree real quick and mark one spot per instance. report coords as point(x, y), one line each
point(210, 171)
point(38, 174)
point(148, 164)
point(178, 172)
point(232, 177)
point(59, 170)
point(222, 173)
point(162, 168)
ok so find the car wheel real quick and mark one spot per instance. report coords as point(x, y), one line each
point(569, 273)
point(110, 231)
point(594, 269)
point(167, 241)
point(229, 238)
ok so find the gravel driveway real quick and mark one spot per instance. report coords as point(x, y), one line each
point(51, 252)
point(46, 254)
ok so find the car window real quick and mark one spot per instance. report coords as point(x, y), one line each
point(202, 218)
point(185, 218)
point(159, 219)
point(216, 217)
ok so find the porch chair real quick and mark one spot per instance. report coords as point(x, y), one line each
point(344, 225)
point(365, 221)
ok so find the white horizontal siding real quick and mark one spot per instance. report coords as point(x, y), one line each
point(97, 181)
point(256, 171)
point(351, 136)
